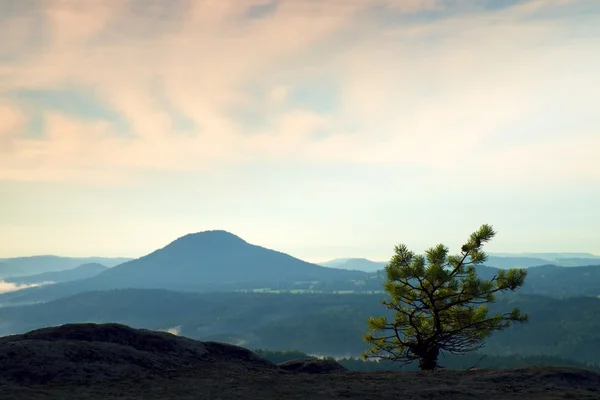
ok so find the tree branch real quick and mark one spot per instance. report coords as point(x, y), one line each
point(477, 363)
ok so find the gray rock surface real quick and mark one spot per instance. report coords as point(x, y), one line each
point(112, 361)
point(312, 366)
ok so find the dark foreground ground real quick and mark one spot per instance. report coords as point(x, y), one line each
point(88, 361)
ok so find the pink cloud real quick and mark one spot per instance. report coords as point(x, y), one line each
point(414, 93)
point(73, 23)
point(415, 6)
point(13, 123)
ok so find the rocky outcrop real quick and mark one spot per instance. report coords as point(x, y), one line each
point(96, 353)
point(112, 361)
point(312, 366)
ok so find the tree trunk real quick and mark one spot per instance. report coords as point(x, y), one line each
point(428, 359)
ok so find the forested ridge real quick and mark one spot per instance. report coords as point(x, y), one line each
point(325, 324)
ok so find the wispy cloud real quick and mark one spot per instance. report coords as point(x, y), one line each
point(198, 85)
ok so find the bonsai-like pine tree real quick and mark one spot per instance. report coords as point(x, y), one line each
point(439, 304)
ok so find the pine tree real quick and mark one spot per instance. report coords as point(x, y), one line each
point(439, 304)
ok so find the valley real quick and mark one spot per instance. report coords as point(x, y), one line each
point(215, 286)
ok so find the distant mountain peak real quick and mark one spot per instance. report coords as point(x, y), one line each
point(217, 235)
point(207, 241)
point(91, 265)
point(357, 263)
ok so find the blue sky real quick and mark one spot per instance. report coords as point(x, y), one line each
point(322, 129)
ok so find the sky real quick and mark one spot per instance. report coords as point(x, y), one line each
point(323, 129)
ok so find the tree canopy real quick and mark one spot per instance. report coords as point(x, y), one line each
point(439, 303)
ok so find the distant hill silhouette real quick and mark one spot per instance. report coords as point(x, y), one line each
point(359, 264)
point(217, 258)
point(22, 266)
point(548, 256)
point(500, 260)
point(514, 262)
point(528, 262)
point(205, 261)
point(80, 272)
point(555, 281)
point(564, 281)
